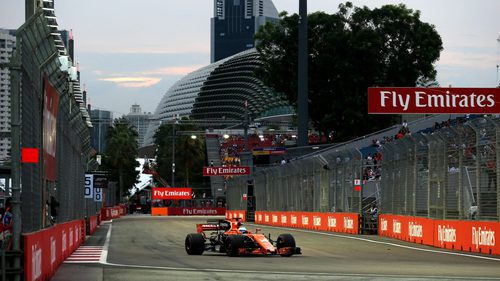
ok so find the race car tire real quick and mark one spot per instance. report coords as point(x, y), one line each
point(233, 245)
point(286, 240)
point(195, 244)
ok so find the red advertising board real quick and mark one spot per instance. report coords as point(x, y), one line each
point(45, 250)
point(226, 171)
point(50, 108)
point(171, 193)
point(471, 236)
point(433, 100)
point(336, 222)
point(196, 211)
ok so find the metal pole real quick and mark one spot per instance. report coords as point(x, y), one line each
point(302, 98)
point(15, 102)
point(245, 129)
point(173, 153)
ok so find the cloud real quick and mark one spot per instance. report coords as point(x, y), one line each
point(147, 78)
point(174, 70)
point(467, 60)
point(133, 82)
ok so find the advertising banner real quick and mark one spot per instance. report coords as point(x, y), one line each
point(50, 108)
point(196, 211)
point(171, 193)
point(433, 100)
point(46, 249)
point(226, 171)
point(470, 236)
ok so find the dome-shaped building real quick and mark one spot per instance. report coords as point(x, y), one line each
point(218, 93)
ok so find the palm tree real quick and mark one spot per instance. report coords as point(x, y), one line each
point(120, 155)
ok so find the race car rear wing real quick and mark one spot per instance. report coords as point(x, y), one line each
point(213, 226)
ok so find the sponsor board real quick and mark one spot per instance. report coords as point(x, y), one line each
point(226, 171)
point(433, 100)
point(171, 193)
point(197, 212)
point(46, 249)
point(472, 236)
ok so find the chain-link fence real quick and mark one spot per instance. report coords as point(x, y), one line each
point(325, 182)
point(448, 173)
point(60, 120)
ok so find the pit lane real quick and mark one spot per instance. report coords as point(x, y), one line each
point(152, 248)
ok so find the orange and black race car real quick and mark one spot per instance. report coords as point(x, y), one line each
point(230, 237)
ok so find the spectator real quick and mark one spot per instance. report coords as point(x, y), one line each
point(7, 226)
point(491, 169)
point(373, 212)
point(2, 212)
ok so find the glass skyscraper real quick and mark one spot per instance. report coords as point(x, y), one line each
point(234, 24)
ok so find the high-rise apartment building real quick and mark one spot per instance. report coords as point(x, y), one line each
point(101, 121)
point(140, 121)
point(235, 23)
point(7, 48)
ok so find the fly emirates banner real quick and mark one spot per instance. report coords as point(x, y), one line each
point(433, 100)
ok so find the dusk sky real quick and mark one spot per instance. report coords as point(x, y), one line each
point(133, 51)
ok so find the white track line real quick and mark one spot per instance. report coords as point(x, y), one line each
point(104, 255)
point(292, 273)
point(381, 242)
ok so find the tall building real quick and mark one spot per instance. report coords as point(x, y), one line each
point(7, 48)
point(235, 23)
point(140, 121)
point(101, 121)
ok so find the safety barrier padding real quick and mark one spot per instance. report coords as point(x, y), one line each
point(233, 214)
point(46, 249)
point(335, 222)
point(470, 236)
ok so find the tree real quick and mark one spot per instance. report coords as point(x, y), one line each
point(349, 51)
point(189, 153)
point(119, 158)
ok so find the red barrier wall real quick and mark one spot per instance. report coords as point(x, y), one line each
point(109, 213)
point(92, 224)
point(335, 222)
point(471, 236)
point(46, 249)
point(232, 214)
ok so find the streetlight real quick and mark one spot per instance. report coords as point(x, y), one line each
point(175, 121)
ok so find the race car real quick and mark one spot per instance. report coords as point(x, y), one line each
point(231, 237)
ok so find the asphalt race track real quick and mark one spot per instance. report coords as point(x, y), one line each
point(152, 248)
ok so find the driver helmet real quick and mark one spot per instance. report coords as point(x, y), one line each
point(243, 229)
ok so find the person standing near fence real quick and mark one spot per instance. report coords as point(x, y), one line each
point(7, 226)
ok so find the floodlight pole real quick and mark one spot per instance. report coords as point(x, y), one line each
point(173, 152)
point(302, 82)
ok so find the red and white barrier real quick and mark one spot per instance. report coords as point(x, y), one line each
point(471, 236)
point(46, 249)
point(109, 213)
point(233, 214)
point(335, 222)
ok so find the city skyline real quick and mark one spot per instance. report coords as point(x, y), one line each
point(137, 55)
